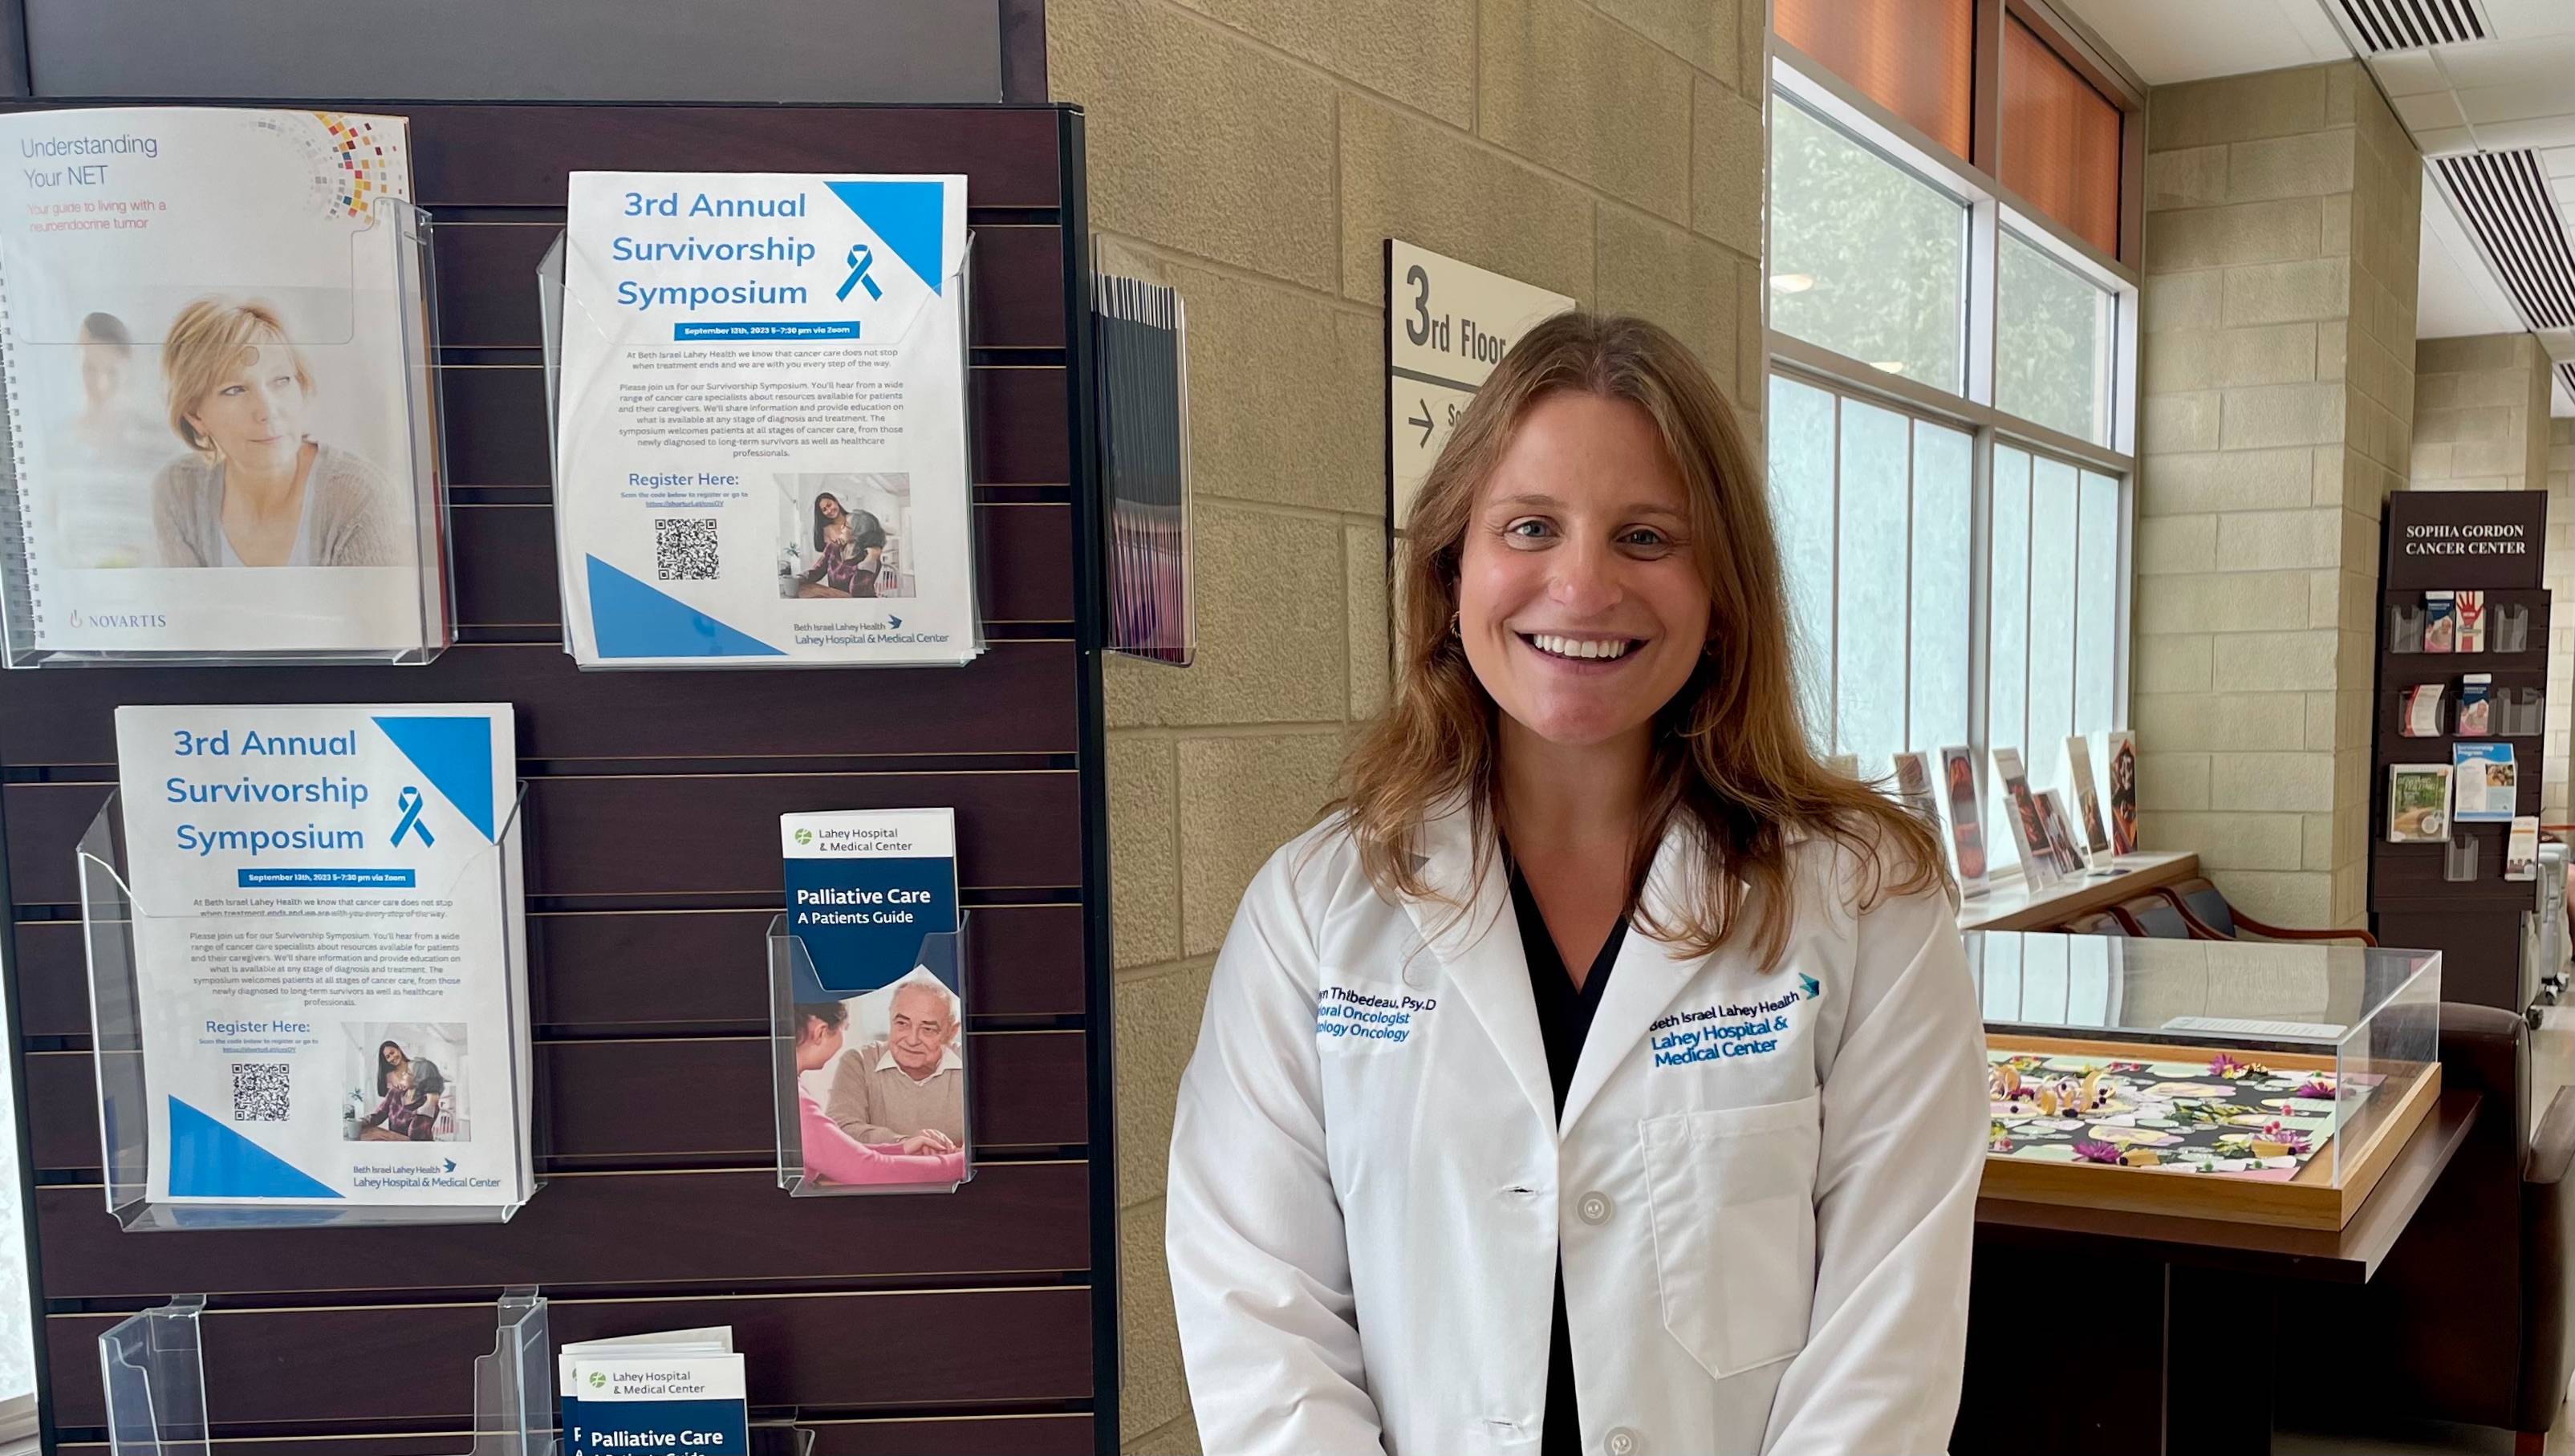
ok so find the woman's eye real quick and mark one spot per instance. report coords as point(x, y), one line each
point(1528, 527)
point(230, 389)
point(282, 381)
point(1645, 536)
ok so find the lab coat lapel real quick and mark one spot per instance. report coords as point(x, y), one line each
point(1644, 981)
point(1482, 950)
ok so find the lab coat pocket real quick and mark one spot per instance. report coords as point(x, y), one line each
point(1733, 1193)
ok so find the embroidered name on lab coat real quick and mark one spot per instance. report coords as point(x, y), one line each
point(1712, 1034)
point(1345, 1015)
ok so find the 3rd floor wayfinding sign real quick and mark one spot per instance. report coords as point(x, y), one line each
point(1446, 325)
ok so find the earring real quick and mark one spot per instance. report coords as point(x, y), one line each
point(1456, 628)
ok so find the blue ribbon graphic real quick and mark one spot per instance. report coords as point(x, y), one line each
point(862, 257)
point(408, 802)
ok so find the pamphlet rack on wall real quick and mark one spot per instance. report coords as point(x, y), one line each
point(794, 987)
point(1140, 349)
point(955, 294)
point(153, 1364)
point(109, 915)
point(104, 526)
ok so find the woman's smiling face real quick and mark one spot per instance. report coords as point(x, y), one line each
point(1581, 601)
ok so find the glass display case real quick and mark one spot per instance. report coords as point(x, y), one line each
point(2255, 1081)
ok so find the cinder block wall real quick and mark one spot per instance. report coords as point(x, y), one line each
point(2277, 412)
point(2480, 413)
point(2481, 424)
point(1256, 153)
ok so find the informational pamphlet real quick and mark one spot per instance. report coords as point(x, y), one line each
point(677, 1393)
point(1966, 818)
point(2123, 760)
point(761, 455)
point(2418, 804)
point(2476, 706)
point(2064, 854)
point(2440, 621)
point(2029, 831)
point(880, 1073)
point(2521, 848)
point(2482, 783)
point(2086, 794)
point(214, 337)
point(1913, 786)
point(328, 952)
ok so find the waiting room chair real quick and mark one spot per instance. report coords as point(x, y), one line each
point(2154, 918)
point(2210, 917)
point(2095, 923)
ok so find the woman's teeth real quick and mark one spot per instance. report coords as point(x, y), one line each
point(1568, 647)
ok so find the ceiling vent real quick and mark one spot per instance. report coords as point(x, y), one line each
point(2503, 198)
point(2566, 376)
point(2405, 25)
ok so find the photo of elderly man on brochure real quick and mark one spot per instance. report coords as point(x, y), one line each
point(913, 1081)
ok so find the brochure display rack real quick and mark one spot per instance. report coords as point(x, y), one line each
point(2457, 739)
point(651, 871)
point(110, 916)
point(139, 449)
point(153, 1366)
point(815, 1153)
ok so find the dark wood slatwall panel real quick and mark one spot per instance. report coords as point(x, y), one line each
point(934, 1324)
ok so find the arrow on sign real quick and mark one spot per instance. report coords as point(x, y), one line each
point(1422, 419)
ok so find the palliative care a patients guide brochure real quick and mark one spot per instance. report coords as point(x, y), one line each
point(762, 454)
point(677, 1393)
point(324, 934)
point(203, 308)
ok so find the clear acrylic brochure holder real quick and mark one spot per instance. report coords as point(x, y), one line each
point(2405, 627)
point(791, 965)
point(2512, 628)
point(109, 915)
point(1141, 383)
point(87, 574)
point(955, 293)
point(153, 1364)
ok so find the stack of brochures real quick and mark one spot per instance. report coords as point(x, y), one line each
point(679, 1393)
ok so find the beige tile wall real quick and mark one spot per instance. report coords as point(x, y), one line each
point(2480, 413)
point(2481, 424)
point(1256, 153)
point(2276, 413)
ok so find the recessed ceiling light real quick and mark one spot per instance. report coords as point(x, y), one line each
point(1891, 365)
point(1791, 282)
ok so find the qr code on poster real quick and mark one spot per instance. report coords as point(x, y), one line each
point(260, 1091)
point(684, 547)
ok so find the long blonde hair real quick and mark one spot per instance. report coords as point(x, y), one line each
point(1730, 762)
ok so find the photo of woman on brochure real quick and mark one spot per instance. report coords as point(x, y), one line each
point(402, 1093)
point(256, 489)
point(843, 536)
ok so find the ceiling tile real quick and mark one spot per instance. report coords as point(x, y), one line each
point(2166, 41)
point(2540, 62)
point(2519, 100)
point(2545, 131)
point(2521, 19)
point(2565, 189)
point(2436, 143)
point(2408, 73)
point(2429, 110)
point(2560, 161)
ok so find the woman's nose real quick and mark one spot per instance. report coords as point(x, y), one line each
point(1585, 581)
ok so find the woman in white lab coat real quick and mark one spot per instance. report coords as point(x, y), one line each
point(1711, 1190)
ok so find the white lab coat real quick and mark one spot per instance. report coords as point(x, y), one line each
point(1764, 1226)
